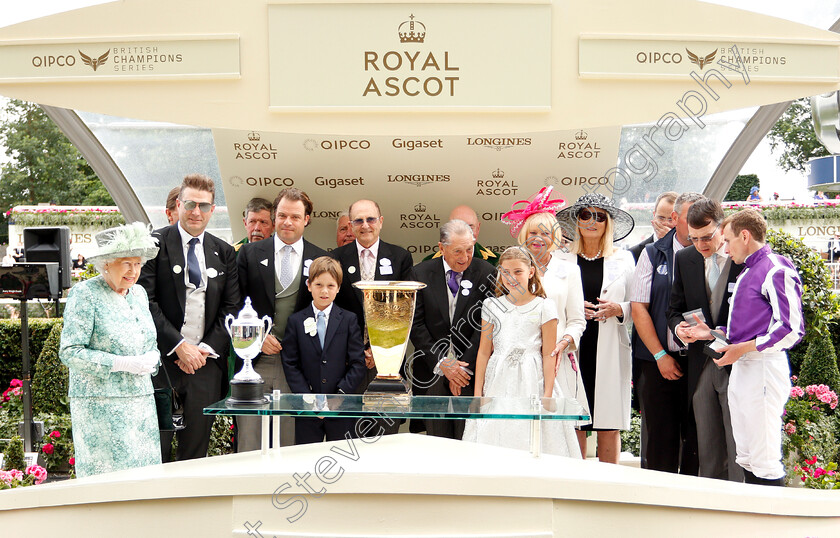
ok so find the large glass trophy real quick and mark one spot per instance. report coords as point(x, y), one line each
point(389, 312)
point(247, 333)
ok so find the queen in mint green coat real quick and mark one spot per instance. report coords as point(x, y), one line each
point(109, 345)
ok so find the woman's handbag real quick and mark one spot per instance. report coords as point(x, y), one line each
point(170, 412)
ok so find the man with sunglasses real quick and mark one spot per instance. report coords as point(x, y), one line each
point(192, 285)
point(659, 360)
point(704, 277)
point(367, 258)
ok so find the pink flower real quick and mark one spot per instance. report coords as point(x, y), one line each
point(48, 448)
point(811, 461)
point(796, 392)
point(790, 428)
point(55, 434)
point(39, 472)
point(819, 472)
point(16, 383)
point(72, 461)
point(15, 474)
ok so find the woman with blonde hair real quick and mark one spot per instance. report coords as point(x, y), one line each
point(596, 224)
point(535, 226)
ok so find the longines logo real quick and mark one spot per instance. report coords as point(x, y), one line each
point(406, 66)
point(94, 62)
point(498, 143)
point(334, 182)
point(310, 144)
point(129, 59)
point(419, 219)
point(411, 145)
point(326, 214)
point(701, 61)
point(580, 148)
point(418, 180)
point(254, 150)
point(498, 186)
point(575, 181)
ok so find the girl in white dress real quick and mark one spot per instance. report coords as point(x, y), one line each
point(518, 334)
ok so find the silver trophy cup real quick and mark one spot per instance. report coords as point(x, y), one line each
point(247, 333)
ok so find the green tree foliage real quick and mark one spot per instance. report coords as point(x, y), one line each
point(14, 455)
point(740, 188)
point(820, 306)
point(43, 164)
point(50, 382)
point(820, 364)
point(794, 133)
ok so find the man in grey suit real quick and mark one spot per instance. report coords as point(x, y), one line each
point(273, 273)
point(704, 276)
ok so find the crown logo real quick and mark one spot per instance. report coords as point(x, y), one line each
point(498, 174)
point(420, 208)
point(254, 136)
point(581, 135)
point(412, 31)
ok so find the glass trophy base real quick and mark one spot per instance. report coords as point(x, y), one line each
point(384, 391)
point(244, 393)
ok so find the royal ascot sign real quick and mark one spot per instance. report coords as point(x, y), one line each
point(669, 58)
point(410, 56)
point(120, 58)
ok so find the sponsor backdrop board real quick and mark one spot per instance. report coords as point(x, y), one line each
point(416, 180)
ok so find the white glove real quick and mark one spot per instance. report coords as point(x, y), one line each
point(150, 358)
point(132, 364)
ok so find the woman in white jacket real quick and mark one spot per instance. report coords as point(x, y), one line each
point(604, 349)
point(535, 227)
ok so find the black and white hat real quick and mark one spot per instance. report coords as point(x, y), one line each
point(622, 221)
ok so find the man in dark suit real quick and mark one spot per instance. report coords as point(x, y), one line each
point(662, 222)
point(447, 321)
point(367, 258)
point(323, 353)
point(273, 273)
point(192, 285)
point(834, 249)
point(703, 278)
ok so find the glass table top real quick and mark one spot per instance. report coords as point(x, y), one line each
point(442, 407)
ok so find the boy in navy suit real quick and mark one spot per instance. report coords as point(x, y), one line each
point(323, 352)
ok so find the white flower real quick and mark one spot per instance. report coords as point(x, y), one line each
point(212, 273)
point(384, 261)
point(351, 270)
point(466, 284)
point(309, 326)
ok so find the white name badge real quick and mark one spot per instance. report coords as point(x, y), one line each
point(731, 287)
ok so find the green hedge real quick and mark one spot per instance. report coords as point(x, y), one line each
point(11, 365)
point(50, 378)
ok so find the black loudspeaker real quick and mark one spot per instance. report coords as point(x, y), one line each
point(49, 244)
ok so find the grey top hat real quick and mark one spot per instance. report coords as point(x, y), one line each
point(127, 241)
point(622, 221)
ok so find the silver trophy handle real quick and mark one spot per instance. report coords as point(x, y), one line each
point(268, 322)
point(228, 321)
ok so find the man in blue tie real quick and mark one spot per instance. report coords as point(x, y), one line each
point(323, 353)
point(192, 285)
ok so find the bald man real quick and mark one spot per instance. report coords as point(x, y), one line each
point(468, 215)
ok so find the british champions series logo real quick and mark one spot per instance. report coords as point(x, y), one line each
point(94, 62)
point(701, 61)
point(409, 68)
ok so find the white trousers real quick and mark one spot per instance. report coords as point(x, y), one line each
point(759, 387)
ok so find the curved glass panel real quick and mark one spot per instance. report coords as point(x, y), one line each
point(155, 157)
point(817, 13)
point(685, 165)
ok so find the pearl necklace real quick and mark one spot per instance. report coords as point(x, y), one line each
point(587, 258)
